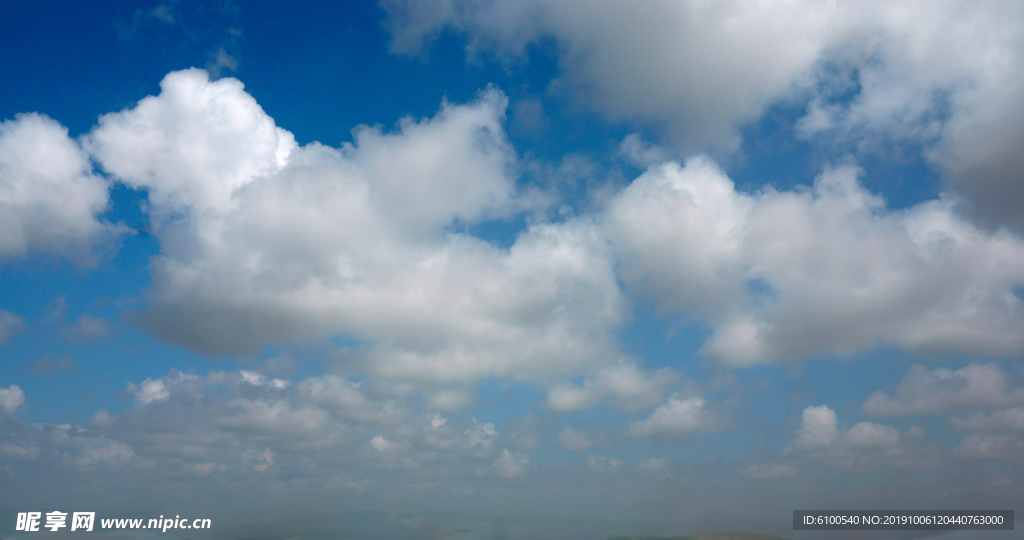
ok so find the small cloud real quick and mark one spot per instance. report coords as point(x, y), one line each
point(381, 444)
point(102, 419)
point(10, 324)
point(11, 398)
point(163, 14)
point(511, 464)
point(48, 367)
point(266, 460)
point(220, 61)
point(56, 308)
point(86, 328)
point(148, 391)
point(642, 153)
point(675, 418)
point(602, 463)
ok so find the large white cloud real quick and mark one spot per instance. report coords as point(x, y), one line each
point(946, 75)
point(264, 241)
point(50, 200)
point(782, 275)
point(703, 66)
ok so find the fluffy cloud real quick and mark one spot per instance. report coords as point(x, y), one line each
point(11, 398)
point(926, 391)
point(50, 200)
point(863, 444)
point(675, 418)
point(945, 75)
point(705, 66)
point(266, 241)
point(511, 464)
point(783, 275)
point(632, 389)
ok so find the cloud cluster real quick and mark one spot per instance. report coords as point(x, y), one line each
point(865, 444)
point(943, 75)
point(268, 241)
point(942, 390)
point(782, 275)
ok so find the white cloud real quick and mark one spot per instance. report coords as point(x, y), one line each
point(11, 398)
point(676, 417)
point(784, 275)
point(265, 241)
point(864, 444)
point(938, 391)
point(603, 464)
point(50, 201)
point(632, 389)
point(706, 67)
point(480, 436)
point(511, 464)
point(10, 324)
point(944, 75)
point(148, 391)
point(573, 439)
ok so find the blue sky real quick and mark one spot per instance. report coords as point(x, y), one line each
point(510, 269)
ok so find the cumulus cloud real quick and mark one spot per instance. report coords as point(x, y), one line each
point(677, 417)
point(11, 398)
point(864, 444)
point(10, 324)
point(269, 241)
point(50, 200)
point(945, 76)
point(942, 390)
point(706, 67)
point(511, 464)
point(783, 275)
point(631, 388)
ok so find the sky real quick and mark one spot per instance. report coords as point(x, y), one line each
point(510, 269)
